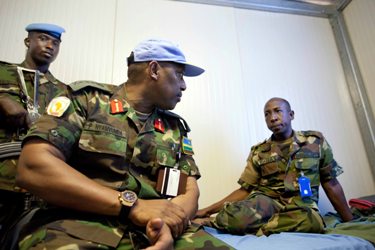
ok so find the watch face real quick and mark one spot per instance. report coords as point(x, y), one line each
point(129, 196)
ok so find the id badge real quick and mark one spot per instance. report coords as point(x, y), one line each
point(304, 186)
point(171, 182)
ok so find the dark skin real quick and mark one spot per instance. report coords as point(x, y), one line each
point(42, 50)
point(43, 169)
point(278, 116)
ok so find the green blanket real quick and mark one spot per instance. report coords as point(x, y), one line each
point(363, 226)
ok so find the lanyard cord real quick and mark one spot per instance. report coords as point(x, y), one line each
point(32, 106)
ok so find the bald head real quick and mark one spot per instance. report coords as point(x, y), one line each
point(279, 116)
point(279, 99)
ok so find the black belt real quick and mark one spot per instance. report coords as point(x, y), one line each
point(289, 194)
point(26, 199)
point(12, 195)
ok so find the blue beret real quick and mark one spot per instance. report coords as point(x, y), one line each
point(51, 29)
point(163, 50)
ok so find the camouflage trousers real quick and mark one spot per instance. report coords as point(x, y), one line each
point(262, 215)
point(107, 234)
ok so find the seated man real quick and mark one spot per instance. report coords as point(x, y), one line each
point(280, 184)
point(96, 156)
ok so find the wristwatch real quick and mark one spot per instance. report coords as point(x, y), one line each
point(127, 199)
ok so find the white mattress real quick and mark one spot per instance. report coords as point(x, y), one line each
point(293, 241)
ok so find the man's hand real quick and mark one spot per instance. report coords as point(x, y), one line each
point(206, 221)
point(14, 113)
point(172, 214)
point(159, 234)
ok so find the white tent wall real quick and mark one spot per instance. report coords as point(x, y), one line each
point(249, 57)
point(360, 21)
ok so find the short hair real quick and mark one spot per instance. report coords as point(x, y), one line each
point(287, 104)
point(135, 69)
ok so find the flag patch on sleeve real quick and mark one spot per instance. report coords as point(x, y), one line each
point(187, 147)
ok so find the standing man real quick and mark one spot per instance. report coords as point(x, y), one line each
point(280, 184)
point(25, 90)
point(110, 159)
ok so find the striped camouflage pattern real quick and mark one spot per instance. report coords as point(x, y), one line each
point(117, 151)
point(9, 86)
point(274, 178)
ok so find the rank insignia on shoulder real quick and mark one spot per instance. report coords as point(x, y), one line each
point(116, 106)
point(58, 106)
point(187, 148)
point(159, 125)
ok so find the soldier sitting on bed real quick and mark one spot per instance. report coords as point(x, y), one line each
point(280, 184)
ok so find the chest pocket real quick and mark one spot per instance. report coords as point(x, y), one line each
point(308, 163)
point(269, 166)
point(165, 156)
point(103, 138)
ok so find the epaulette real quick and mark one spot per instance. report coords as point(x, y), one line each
point(169, 113)
point(78, 85)
point(312, 133)
point(254, 147)
point(7, 63)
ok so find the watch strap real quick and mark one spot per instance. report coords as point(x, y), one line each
point(124, 213)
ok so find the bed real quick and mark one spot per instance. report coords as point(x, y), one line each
point(358, 234)
point(293, 241)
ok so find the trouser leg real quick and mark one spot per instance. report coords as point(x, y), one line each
point(246, 216)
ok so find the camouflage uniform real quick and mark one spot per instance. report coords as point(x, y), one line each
point(275, 204)
point(116, 150)
point(12, 199)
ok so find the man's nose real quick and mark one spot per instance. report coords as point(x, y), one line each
point(274, 117)
point(49, 44)
point(183, 85)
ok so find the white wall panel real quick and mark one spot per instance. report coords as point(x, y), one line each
point(86, 51)
point(360, 21)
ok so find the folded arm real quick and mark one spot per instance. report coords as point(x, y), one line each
point(42, 170)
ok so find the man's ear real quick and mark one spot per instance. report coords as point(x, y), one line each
point(154, 68)
point(291, 113)
point(27, 42)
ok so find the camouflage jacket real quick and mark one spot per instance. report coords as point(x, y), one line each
point(10, 81)
point(269, 172)
point(111, 146)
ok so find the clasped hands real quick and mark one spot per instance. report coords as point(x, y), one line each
point(169, 213)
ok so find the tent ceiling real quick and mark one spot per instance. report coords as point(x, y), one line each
point(320, 8)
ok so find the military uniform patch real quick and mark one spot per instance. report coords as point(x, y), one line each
point(187, 148)
point(159, 125)
point(116, 107)
point(58, 106)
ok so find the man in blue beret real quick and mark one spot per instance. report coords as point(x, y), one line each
point(119, 163)
point(25, 90)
